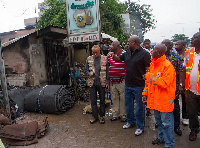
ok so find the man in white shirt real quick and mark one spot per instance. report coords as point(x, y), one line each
point(192, 85)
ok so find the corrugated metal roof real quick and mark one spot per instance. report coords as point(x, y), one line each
point(17, 39)
point(104, 35)
point(14, 40)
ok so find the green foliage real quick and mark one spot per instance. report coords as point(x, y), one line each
point(141, 17)
point(177, 37)
point(55, 15)
point(111, 20)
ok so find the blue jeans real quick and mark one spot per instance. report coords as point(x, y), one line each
point(165, 123)
point(131, 94)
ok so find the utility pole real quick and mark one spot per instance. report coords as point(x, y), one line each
point(4, 86)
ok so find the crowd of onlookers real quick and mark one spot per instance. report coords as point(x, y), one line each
point(155, 79)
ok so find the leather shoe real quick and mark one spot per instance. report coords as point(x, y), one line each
point(114, 118)
point(148, 113)
point(158, 142)
point(178, 131)
point(123, 120)
point(193, 135)
point(156, 125)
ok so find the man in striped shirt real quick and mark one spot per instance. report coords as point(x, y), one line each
point(117, 74)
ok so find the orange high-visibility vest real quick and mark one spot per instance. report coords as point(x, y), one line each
point(189, 62)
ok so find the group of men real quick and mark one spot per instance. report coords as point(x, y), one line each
point(156, 77)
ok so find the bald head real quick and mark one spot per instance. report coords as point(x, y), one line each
point(197, 35)
point(169, 45)
point(96, 51)
point(180, 46)
point(159, 50)
point(166, 41)
point(135, 38)
point(115, 46)
point(116, 43)
point(195, 40)
point(133, 42)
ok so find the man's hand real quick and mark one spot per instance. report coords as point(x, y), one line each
point(144, 75)
point(110, 54)
point(144, 99)
point(92, 74)
point(107, 86)
point(181, 88)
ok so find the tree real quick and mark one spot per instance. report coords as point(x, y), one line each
point(110, 10)
point(111, 20)
point(55, 15)
point(110, 15)
point(177, 37)
point(141, 17)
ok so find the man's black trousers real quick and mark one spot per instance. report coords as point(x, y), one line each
point(93, 97)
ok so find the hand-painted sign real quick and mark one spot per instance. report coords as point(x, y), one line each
point(84, 38)
point(83, 19)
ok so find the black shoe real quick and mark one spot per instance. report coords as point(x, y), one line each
point(114, 118)
point(193, 135)
point(148, 113)
point(156, 125)
point(123, 120)
point(102, 120)
point(178, 131)
point(157, 142)
point(93, 120)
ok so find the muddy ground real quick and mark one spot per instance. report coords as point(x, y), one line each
point(73, 130)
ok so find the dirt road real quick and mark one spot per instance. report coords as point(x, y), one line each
point(73, 130)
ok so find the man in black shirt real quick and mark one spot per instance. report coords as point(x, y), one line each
point(137, 62)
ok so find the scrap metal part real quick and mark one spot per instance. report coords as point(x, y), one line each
point(23, 134)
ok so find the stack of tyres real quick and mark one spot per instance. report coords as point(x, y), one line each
point(52, 99)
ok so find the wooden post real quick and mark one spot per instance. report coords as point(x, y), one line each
point(4, 86)
point(74, 70)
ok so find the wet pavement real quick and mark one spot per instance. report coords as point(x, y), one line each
point(73, 130)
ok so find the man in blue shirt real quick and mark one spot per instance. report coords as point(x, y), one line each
point(177, 62)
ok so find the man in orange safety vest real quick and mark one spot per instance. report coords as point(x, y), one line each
point(159, 93)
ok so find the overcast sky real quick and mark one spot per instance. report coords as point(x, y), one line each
point(13, 13)
point(173, 16)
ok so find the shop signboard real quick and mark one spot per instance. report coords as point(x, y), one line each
point(83, 21)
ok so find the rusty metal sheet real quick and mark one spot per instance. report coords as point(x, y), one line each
point(26, 131)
